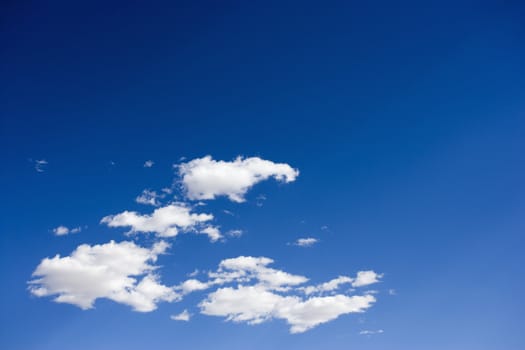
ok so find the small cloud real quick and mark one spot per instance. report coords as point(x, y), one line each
point(371, 332)
point(75, 230)
point(235, 233)
point(213, 233)
point(392, 292)
point(63, 230)
point(183, 316)
point(167, 190)
point(40, 165)
point(149, 197)
point(259, 201)
point(194, 273)
point(148, 164)
point(227, 212)
point(306, 242)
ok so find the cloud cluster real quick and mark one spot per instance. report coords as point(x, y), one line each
point(121, 272)
point(242, 289)
point(251, 292)
point(206, 178)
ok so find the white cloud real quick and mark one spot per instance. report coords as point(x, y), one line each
point(167, 221)
point(192, 285)
point(257, 293)
point(206, 178)
point(213, 233)
point(148, 164)
point(235, 233)
point(255, 304)
point(194, 273)
point(306, 242)
point(248, 267)
point(328, 286)
point(370, 332)
point(63, 230)
point(121, 272)
point(149, 197)
point(365, 278)
point(183, 316)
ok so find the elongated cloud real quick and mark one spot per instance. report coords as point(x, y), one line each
point(306, 242)
point(252, 292)
point(167, 221)
point(121, 272)
point(206, 178)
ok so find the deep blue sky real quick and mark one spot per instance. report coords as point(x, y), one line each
point(407, 122)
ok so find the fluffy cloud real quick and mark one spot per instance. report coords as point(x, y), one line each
point(121, 272)
point(365, 278)
point(148, 164)
point(63, 230)
point(255, 304)
point(306, 242)
point(167, 221)
point(206, 178)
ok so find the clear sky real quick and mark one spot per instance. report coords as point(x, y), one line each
point(192, 174)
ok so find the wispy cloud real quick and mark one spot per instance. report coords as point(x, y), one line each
point(149, 197)
point(149, 164)
point(40, 165)
point(371, 332)
point(305, 242)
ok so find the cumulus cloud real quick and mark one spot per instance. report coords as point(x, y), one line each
point(256, 304)
point(183, 316)
point(122, 272)
point(365, 278)
point(306, 242)
point(63, 230)
point(206, 178)
point(166, 221)
point(148, 164)
point(149, 197)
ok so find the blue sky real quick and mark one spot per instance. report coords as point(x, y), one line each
point(393, 135)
